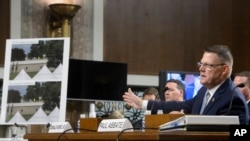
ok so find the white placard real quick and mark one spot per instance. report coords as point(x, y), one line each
point(60, 127)
point(35, 67)
point(111, 125)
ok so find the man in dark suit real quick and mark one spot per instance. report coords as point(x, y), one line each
point(215, 69)
point(244, 78)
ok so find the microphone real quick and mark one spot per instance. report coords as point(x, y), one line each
point(241, 85)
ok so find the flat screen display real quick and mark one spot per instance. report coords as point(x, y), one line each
point(191, 80)
point(96, 80)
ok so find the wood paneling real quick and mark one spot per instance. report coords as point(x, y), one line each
point(153, 35)
point(241, 35)
point(4, 28)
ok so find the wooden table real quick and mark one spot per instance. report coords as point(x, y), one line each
point(193, 136)
point(137, 135)
point(91, 136)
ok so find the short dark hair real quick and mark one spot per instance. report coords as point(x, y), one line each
point(246, 74)
point(151, 91)
point(223, 52)
point(180, 85)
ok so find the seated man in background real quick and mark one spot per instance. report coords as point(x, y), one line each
point(174, 90)
point(150, 93)
point(244, 78)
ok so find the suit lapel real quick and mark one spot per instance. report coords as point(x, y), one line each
point(212, 102)
point(215, 98)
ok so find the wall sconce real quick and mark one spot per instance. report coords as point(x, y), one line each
point(59, 20)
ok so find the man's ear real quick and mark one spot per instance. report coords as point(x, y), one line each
point(182, 93)
point(226, 70)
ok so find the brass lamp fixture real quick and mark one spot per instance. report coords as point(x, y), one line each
point(59, 22)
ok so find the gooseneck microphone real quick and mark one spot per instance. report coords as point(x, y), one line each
point(241, 85)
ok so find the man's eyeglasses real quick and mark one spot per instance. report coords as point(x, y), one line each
point(208, 66)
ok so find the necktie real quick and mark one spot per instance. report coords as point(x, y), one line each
point(205, 101)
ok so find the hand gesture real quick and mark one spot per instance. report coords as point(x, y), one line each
point(131, 99)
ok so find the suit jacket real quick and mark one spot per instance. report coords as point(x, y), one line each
point(218, 105)
point(248, 104)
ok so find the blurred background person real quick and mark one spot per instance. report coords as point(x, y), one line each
point(174, 90)
point(244, 77)
point(150, 93)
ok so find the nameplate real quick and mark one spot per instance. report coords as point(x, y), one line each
point(60, 127)
point(111, 125)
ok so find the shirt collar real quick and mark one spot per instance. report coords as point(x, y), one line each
point(213, 90)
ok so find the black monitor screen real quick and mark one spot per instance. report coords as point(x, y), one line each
point(96, 80)
point(191, 80)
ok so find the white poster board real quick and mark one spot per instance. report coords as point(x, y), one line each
point(35, 80)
